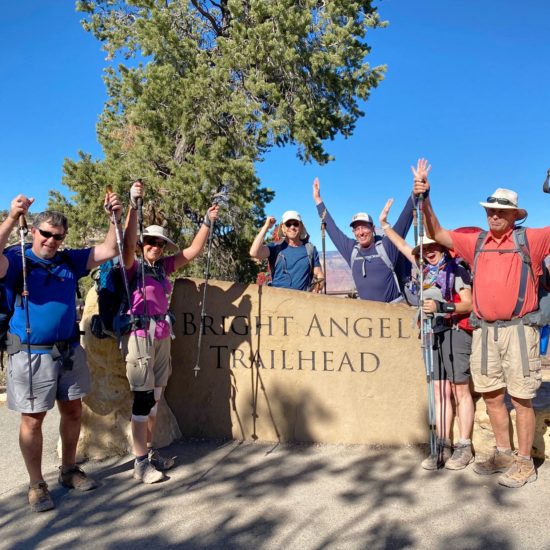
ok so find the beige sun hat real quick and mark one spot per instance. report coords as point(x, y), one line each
point(505, 199)
point(425, 242)
point(293, 215)
point(160, 233)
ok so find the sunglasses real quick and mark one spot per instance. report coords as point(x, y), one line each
point(159, 243)
point(503, 202)
point(48, 235)
point(292, 223)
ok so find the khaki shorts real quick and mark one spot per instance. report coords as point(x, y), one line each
point(504, 368)
point(146, 374)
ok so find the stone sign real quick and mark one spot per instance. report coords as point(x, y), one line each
point(278, 364)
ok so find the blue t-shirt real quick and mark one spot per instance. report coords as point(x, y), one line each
point(293, 268)
point(52, 289)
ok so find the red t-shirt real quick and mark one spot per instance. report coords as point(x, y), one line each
point(497, 276)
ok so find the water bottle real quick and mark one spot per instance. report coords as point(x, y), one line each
point(544, 333)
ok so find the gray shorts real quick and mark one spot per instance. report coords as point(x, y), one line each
point(451, 355)
point(50, 381)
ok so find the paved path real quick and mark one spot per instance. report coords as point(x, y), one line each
point(255, 496)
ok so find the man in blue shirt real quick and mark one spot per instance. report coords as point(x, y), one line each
point(373, 278)
point(294, 262)
point(56, 359)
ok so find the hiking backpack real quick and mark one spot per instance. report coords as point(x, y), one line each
point(7, 308)
point(541, 316)
point(401, 271)
point(281, 257)
point(113, 319)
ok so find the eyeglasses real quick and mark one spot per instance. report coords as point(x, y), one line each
point(159, 243)
point(503, 202)
point(292, 223)
point(48, 235)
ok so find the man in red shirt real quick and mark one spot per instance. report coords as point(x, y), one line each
point(505, 351)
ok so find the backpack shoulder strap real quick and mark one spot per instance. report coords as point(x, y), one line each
point(522, 246)
point(310, 249)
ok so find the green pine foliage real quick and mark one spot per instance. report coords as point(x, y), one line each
point(201, 90)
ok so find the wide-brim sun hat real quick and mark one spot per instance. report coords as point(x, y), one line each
point(361, 217)
point(425, 242)
point(505, 199)
point(160, 233)
point(293, 215)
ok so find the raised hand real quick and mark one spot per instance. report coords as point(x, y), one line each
point(112, 204)
point(136, 192)
point(213, 212)
point(420, 177)
point(20, 206)
point(317, 191)
point(383, 218)
point(270, 222)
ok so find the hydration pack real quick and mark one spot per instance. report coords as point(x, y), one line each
point(6, 307)
point(541, 316)
point(401, 271)
point(113, 319)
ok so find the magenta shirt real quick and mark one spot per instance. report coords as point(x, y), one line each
point(157, 294)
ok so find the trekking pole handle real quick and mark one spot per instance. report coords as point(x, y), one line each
point(23, 227)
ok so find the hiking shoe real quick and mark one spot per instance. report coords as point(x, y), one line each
point(160, 463)
point(76, 478)
point(146, 472)
point(40, 499)
point(497, 462)
point(462, 456)
point(438, 460)
point(521, 472)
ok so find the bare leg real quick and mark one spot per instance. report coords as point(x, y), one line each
point(525, 424)
point(498, 415)
point(30, 443)
point(464, 409)
point(69, 429)
point(152, 420)
point(139, 437)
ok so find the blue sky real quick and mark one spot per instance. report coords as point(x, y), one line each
point(467, 86)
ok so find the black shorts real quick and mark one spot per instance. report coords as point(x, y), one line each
point(451, 355)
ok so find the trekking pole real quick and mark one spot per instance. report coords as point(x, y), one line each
point(139, 202)
point(197, 368)
point(426, 332)
point(221, 197)
point(23, 230)
point(323, 247)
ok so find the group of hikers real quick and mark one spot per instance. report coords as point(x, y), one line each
point(454, 274)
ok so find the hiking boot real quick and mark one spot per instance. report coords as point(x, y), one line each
point(40, 499)
point(76, 478)
point(462, 456)
point(497, 462)
point(146, 472)
point(438, 460)
point(521, 472)
point(160, 463)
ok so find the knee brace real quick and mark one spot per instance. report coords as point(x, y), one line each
point(144, 401)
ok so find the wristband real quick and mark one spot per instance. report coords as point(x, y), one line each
point(207, 221)
point(446, 307)
point(117, 222)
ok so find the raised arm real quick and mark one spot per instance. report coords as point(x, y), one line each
point(195, 248)
point(131, 229)
point(421, 186)
point(19, 207)
point(108, 248)
point(399, 242)
point(258, 249)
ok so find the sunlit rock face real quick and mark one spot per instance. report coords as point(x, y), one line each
point(107, 409)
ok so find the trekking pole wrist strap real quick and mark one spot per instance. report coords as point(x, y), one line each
point(207, 221)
